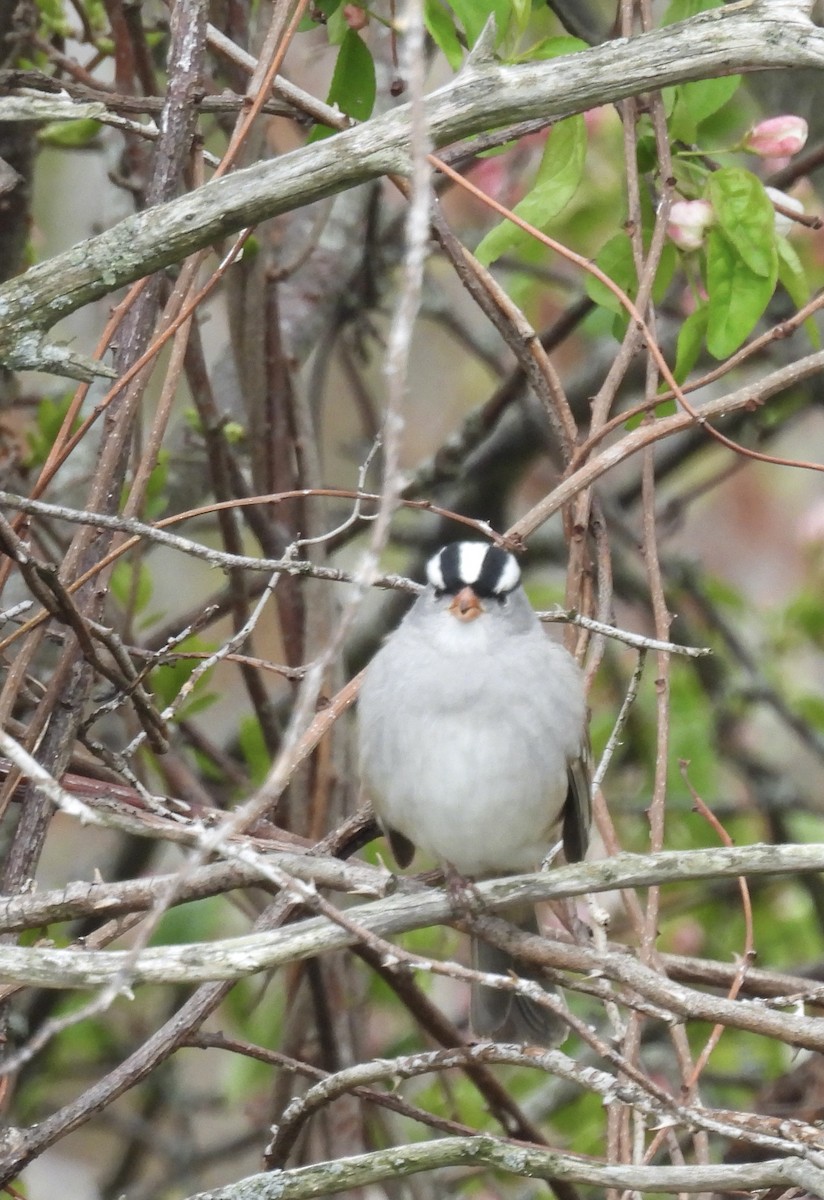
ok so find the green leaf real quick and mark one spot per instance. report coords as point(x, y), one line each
point(170, 678)
point(156, 495)
point(353, 83)
point(669, 98)
point(683, 10)
point(70, 135)
point(442, 31)
point(474, 14)
point(693, 730)
point(737, 295)
point(497, 151)
point(694, 103)
point(681, 126)
point(50, 416)
point(690, 340)
point(704, 97)
point(337, 25)
point(513, 21)
point(726, 595)
point(320, 13)
point(665, 409)
point(253, 748)
point(560, 172)
point(746, 217)
point(742, 259)
point(646, 153)
point(131, 584)
point(794, 280)
point(553, 47)
point(614, 259)
point(197, 921)
point(792, 273)
point(53, 18)
point(234, 432)
point(155, 498)
point(805, 614)
point(667, 264)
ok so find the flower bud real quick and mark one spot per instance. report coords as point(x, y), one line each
point(688, 222)
point(355, 16)
point(783, 223)
point(777, 137)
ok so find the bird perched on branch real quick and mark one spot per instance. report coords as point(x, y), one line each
point(474, 749)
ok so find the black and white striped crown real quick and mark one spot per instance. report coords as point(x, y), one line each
point(488, 570)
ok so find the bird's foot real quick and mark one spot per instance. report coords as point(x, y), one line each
point(462, 892)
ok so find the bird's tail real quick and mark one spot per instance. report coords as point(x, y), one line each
point(504, 1016)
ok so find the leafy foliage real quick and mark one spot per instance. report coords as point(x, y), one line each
point(353, 84)
point(559, 175)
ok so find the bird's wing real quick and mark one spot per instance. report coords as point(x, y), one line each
point(578, 806)
point(403, 850)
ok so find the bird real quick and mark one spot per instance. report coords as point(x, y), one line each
point(473, 748)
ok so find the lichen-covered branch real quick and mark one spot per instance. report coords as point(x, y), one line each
point(233, 958)
point(485, 94)
point(342, 1175)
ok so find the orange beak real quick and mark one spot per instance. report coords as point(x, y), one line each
point(466, 606)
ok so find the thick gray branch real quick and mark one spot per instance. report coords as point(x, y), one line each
point(484, 95)
point(232, 958)
point(30, 909)
point(325, 1179)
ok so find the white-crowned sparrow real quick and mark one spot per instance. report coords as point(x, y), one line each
point(474, 748)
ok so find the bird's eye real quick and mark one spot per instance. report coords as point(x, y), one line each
point(439, 593)
point(502, 598)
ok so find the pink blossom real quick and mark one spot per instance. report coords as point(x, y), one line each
point(355, 17)
point(690, 297)
point(596, 118)
point(688, 222)
point(777, 137)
